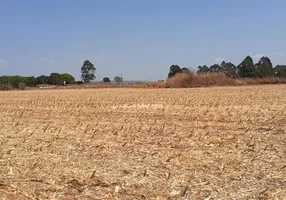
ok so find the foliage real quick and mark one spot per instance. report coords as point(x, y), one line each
point(174, 69)
point(203, 69)
point(6, 86)
point(246, 68)
point(264, 68)
point(69, 79)
point(228, 69)
point(21, 86)
point(118, 79)
point(31, 81)
point(87, 72)
point(8, 82)
point(79, 82)
point(280, 71)
point(54, 78)
point(106, 80)
point(42, 79)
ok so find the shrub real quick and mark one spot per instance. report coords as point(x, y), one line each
point(106, 80)
point(79, 82)
point(21, 86)
point(5, 86)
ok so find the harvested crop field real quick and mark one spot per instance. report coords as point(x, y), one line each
point(203, 143)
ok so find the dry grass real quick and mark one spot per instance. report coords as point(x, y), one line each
point(203, 143)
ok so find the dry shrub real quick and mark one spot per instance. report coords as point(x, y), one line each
point(200, 80)
point(266, 80)
point(21, 86)
point(180, 81)
point(216, 79)
point(210, 79)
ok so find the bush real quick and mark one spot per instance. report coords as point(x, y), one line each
point(183, 80)
point(5, 86)
point(79, 82)
point(21, 86)
point(106, 80)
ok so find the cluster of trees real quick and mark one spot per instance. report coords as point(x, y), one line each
point(117, 79)
point(9, 82)
point(247, 68)
point(88, 74)
point(174, 69)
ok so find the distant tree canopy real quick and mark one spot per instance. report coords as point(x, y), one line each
point(69, 79)
point(280, 71)
point(8, 82)
point(247, 68)
point(118, 79)
point(175, 69)
point(106, 80)
point(87, 72)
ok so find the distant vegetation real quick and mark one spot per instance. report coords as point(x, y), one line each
point(226, 73)
point(20, 82)
point(246, 69)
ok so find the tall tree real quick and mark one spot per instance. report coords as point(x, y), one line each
point(246, 68)
point(264, 68)
point(54, 78)
point(87, 72)
point(215, 68)
point(228, 69)
point(174, 69)
point(203, 69)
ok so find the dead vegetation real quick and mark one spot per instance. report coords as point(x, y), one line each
point(203, 143)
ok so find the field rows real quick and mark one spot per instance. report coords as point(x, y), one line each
point(216, 143)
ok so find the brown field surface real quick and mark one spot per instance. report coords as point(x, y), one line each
point(203, 143)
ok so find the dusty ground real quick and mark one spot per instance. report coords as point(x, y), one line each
point(205, 143)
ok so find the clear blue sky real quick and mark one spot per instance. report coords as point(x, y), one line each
point(141, 38)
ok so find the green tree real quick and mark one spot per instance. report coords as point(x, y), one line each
point(106, 80)
point(87, 72)
point(186, 70)
point(246, 68)
point(215, 68)
point(69, 79)
point(264, 68)
point(174, 69)
point(203, 69)
point(280, 71)
point(118, 79)
point(30, 81)
point(42, 79)
point(228, 69)
point(54, 78)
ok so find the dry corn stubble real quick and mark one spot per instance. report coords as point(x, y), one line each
point(203, 143)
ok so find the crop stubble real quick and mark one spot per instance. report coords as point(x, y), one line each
point(203, 143)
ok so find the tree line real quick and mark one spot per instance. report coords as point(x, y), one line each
point(246, 69)
point(9, 82)
point(87, 75)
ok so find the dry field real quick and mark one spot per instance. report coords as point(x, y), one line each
point(203, 143)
